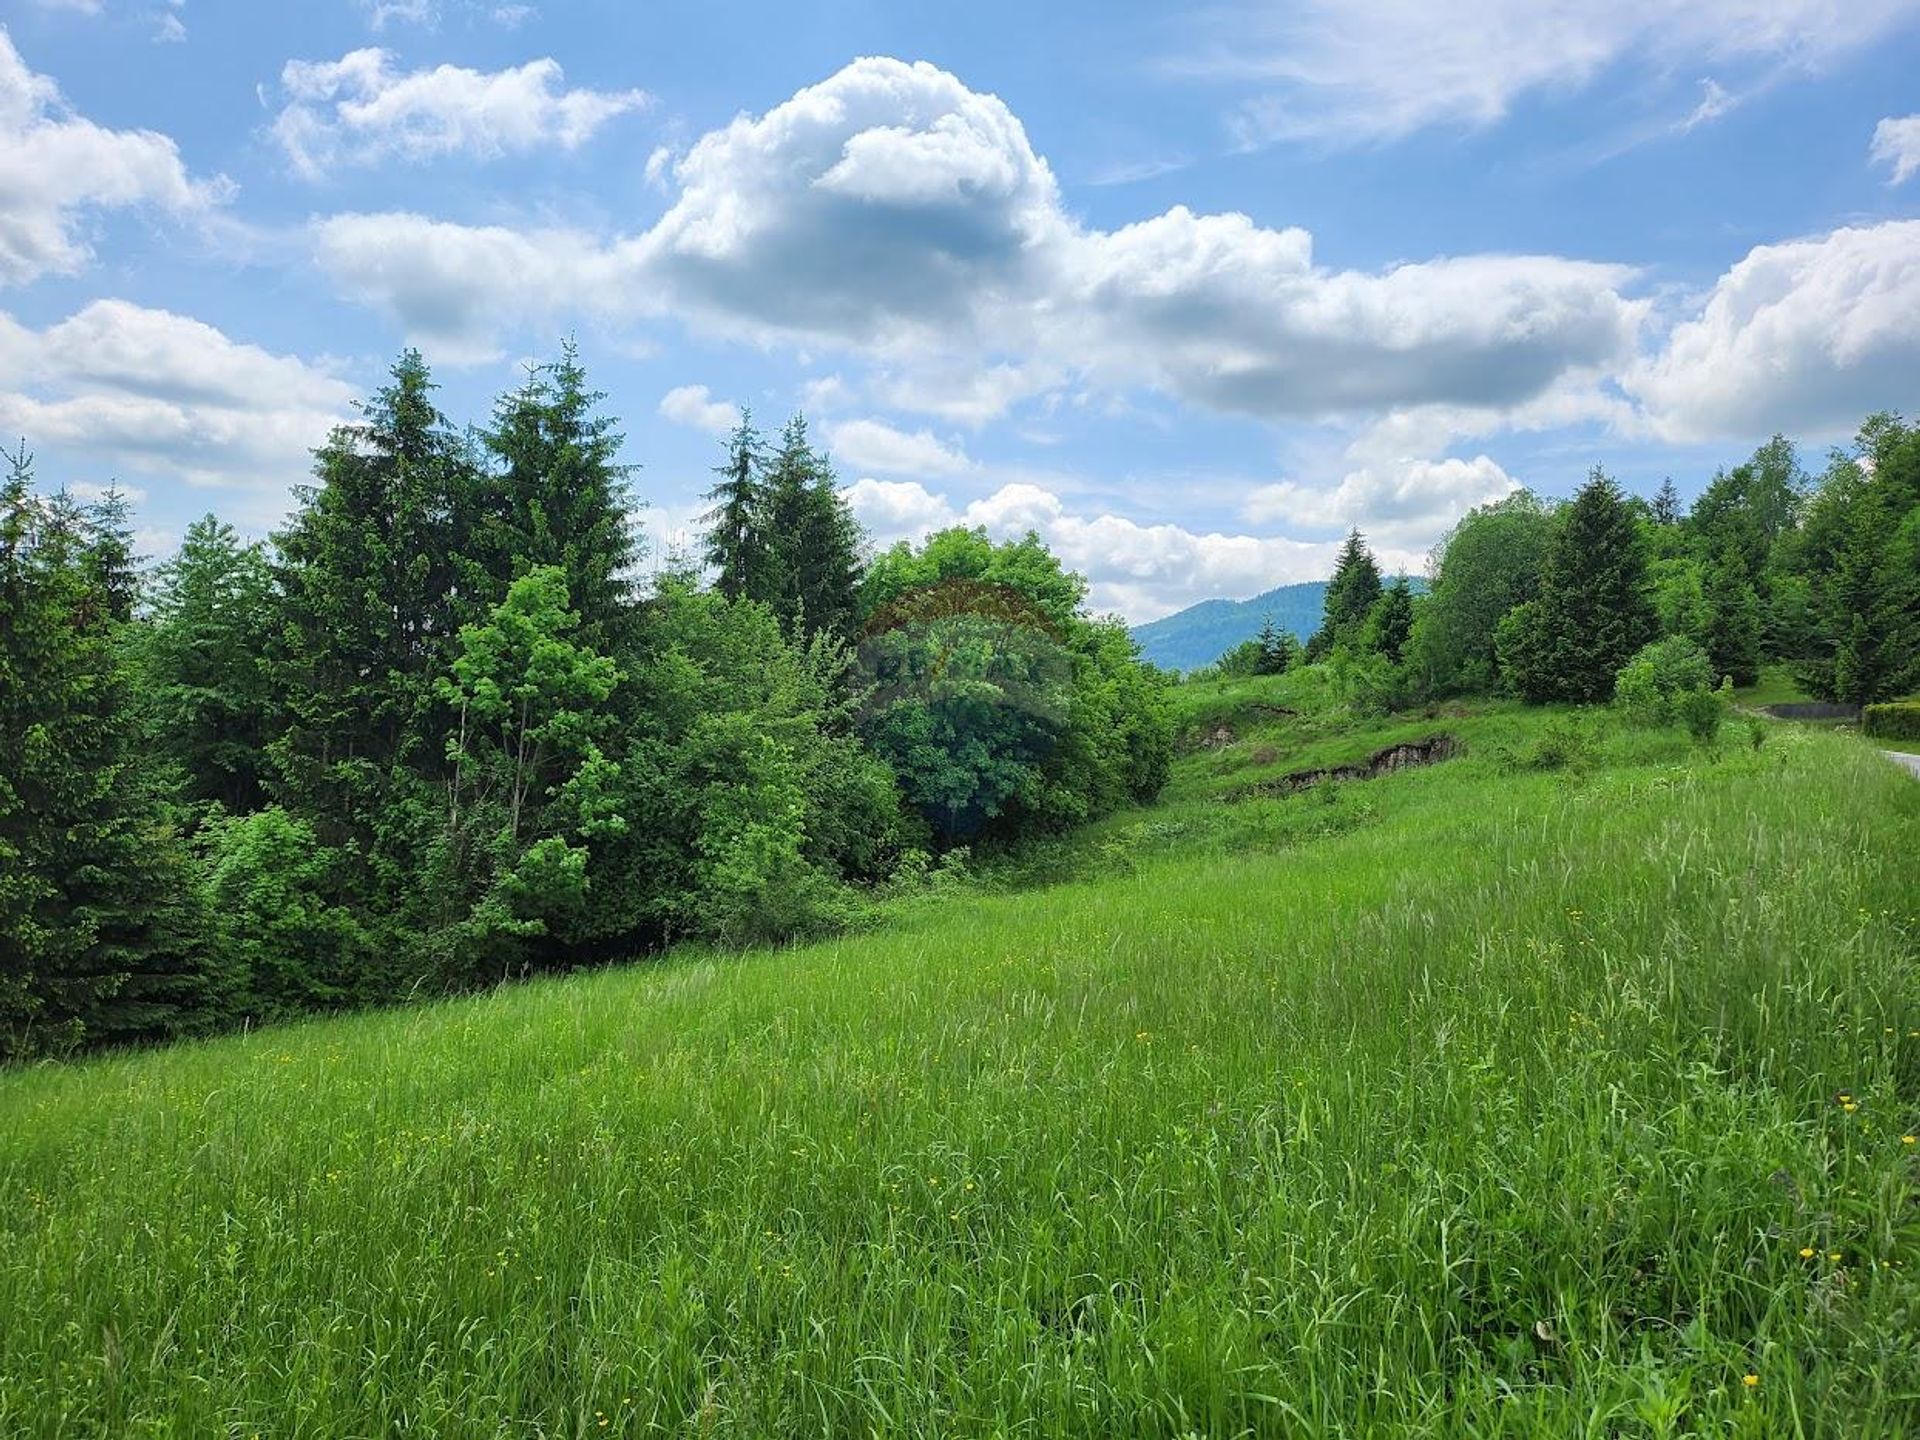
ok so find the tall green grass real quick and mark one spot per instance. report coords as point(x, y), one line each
point(1525, 1104)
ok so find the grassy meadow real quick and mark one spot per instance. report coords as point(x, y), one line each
point(1566, 1087)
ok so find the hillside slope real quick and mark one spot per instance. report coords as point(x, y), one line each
point(1274, 1125)
point(1202, 633)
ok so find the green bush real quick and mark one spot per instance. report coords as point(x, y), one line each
point(1649, 687)
point(1701, 711)
point(1892, 720)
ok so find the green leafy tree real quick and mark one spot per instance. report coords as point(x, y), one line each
point(994, 699)
point(528, 784)
point(1488, 564)
point(1593, 611)
point(1351, 595)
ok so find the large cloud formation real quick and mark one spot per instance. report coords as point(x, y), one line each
point(892, 210)
point(1803, 336)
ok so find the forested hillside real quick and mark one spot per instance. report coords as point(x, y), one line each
point(434, 733)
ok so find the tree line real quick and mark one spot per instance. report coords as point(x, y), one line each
point(436, 731)
point(1550, 602)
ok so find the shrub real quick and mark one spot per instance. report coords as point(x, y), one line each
point(1649, 686)
point(1564, 744)
point(1892, 720)
point(1701, 710)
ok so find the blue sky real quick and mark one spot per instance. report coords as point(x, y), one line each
point(1187, 293)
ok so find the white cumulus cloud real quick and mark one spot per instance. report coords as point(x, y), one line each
point(1804, 336)
point(117, 384)
point(361, 109)
point(891, 211)
point(875, 445)
point(1896, 143)
point(56, 168)
point(1408, 504)
point(694, 405)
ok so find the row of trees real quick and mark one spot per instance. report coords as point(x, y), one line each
point(1820, 575)
point(435, 732)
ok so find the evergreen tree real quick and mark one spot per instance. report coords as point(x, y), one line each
point(812, 543)
point(203, 668)
point(1275, 651)
point(736, 541)
point(1731, 632)
point(562, 498)
point(1350, 597)
point(376, 578)
point(1666, 503)
point(1390, 622)
point(1593, 612)
point(96, 924)
point(826, 560)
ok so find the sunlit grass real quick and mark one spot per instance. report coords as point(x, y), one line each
point(1511, 1103)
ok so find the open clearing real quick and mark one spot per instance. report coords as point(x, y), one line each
point(1469, 1099)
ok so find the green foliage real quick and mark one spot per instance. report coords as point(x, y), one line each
point(1593, 611)
point(1002, 709)
point(1701, 712)
point(201, 663)
point(1390, 622)
point(1892, 720)
point(1488, 564)
point(96, 921)
point(282, 940)
point(1272, 652)
point(560, 497)
point(1731, 628)
point(529, 786)
point(1649, 687)
point(1351, 596)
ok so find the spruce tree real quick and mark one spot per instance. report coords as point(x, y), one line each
point(562, 497)
point(736, 538)
point(1731, 635)
point(96, 925)
point(1390, 622)
point(1593, 610)
point(812, 542)
point(202, 665)
point(1666, 503)
point(1351, 594)
point(827, 558)
point(376, 576)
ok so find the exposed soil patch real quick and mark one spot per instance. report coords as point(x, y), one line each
point(1404, 756)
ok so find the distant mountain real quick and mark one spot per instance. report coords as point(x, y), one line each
point(1202, 633)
